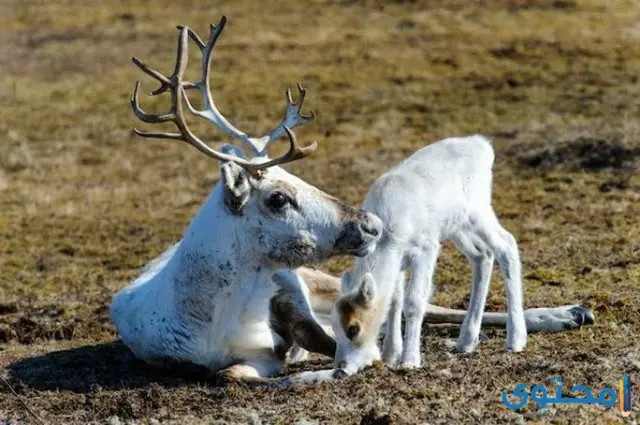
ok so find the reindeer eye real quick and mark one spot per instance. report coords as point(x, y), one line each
point(277, 201)
point(353, 330)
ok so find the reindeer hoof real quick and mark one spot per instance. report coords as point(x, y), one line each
point(582, 316)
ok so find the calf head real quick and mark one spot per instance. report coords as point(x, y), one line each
point(355, 321)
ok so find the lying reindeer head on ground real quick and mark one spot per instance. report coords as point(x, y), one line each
point(355, 320)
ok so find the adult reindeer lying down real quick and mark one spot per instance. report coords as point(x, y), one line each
point(232, 296)
point(206, 300)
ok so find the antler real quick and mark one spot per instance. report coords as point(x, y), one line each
point(176, 84)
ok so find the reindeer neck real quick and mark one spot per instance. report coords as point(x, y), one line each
point(213, 253)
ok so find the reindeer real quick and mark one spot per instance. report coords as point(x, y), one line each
point(232, 296)
point(206, 300)
point(441, 192)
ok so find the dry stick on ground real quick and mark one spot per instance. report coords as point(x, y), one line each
point(37, 418)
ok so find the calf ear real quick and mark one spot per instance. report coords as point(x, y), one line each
point(366, 290)
point(236, 186)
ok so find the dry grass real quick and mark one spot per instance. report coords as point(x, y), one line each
point(85, 205)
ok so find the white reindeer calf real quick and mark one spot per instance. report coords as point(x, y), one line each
point(442, 192)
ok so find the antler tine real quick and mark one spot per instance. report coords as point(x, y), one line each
point(182, 57)
point(144, 116)
point(158, 134)
point(302, 93)
point(164, 81)
point(295, 152)
point(293, 115)
point(206, 49)
point(193, 36)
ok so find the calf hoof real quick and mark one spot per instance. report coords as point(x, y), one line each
point(410, 362)
point(515, 347)
point(466, 344)
point(391, 358)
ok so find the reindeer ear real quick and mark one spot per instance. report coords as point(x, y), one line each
point(232, 150)
point(366, 290)
point(236, 186)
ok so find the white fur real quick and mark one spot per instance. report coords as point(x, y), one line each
point(442, 192)
point(205, 300)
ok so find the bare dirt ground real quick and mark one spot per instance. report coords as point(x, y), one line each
point(85, 204)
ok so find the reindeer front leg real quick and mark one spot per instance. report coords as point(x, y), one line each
point(292, 317)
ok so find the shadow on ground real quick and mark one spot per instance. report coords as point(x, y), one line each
point(109, 366)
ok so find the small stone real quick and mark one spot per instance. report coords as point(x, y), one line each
point(114, 420)
point(445, 373)
point(254, 418)
point(305, 422)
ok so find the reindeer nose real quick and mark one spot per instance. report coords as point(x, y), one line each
point(371, 225)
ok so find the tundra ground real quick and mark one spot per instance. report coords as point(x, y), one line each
point(85, 204)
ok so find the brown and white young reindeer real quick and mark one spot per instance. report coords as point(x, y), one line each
point(206, 300)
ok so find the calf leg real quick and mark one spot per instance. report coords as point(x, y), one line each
point(392, 345)
point(481, 259)
point(505, 248)
point(418, 290)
